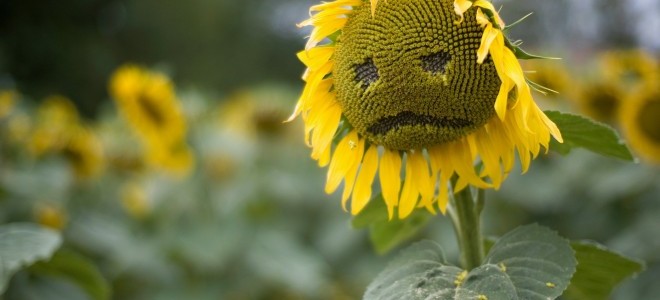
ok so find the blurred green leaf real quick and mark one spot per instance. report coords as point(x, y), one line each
point(537, 260)
point(580, 132)
point(599, 270)
point(530, 262)
point(22, 244)
point(375, 211)
point(78, 269)
point(387, 234)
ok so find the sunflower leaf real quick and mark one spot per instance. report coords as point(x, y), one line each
point(531, 262)
point(22, 244)
point(78, 269)
point(580, 132)
point(537, 260)
point(387, 234)
point(599, 270)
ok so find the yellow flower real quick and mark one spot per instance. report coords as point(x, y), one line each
point(134, 200)
point(427, 87)
point(600, 100)
point(630, 69)
point(638, 117)
point(7, 102)
point(85, 153)
point(51, 216)
point(178, 159)
point(148, 101)
point(549, 75)
point(57, 117)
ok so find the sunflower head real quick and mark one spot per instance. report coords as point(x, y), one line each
point(600, 100)
point(149, 103)
point(407, 77)
point(630, 69)
point(84, 152)
point(57, 120)
point(423, 88)
point(51, 216)
point(639, 119)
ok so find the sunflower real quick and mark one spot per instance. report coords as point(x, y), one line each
point(550, 77)
point(600, 100)
point(630, 69)
point(50, 215)
point(7, 102)
point(57, 118)
point(84, 152)
point(638, 117)
point(148, 101)
point(428, 87)
point(134, 200)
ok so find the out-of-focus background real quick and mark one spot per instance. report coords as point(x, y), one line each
point(234, 208)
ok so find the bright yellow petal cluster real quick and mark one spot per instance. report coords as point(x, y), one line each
point(148, 102)
point(520, 126)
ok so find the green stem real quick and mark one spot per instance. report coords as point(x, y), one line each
point(466, 219)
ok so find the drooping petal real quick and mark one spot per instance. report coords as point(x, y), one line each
point(390, 178)
point(409, 195)
point(362, 189)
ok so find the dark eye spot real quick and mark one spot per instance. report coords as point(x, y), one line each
point(436, 62)
point(366, 73)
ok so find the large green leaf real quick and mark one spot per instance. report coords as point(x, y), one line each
point(22, 244)
point(580, 132)
point(79, 270)
point(417, 273)
point(537, 260)
point(386, 234)
point(528, 263)
point(599, 270)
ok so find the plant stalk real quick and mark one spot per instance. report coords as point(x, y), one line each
point(467, 224)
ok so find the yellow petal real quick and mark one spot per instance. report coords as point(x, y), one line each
point(362, 189)
point(341, 162)
point(390, 178)
point(460, 7)
point(349, 180)
point(489, 35)
point(423, 182)
point(409, 195)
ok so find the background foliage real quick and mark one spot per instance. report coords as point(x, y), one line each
point(250, 220)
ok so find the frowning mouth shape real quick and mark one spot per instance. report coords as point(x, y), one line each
point(408, 118)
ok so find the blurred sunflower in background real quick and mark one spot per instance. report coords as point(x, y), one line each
point(56, 118)
point(134, 199)
point(7, 102)
point(630, 69)
point(85, 152)
point(639, 118)
point(50, 215)
point(600, 100)
point(148, 102)
point(59, 130)
point(549, 76)
point(429, 87)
